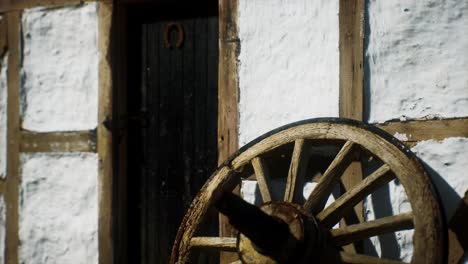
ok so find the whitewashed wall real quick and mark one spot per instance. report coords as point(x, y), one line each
point(288, 63)
point(416, 59)
point(60, 68)
point(416, 66)
point(58, 211)
point(58, 214)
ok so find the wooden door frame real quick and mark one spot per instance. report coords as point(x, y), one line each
point(228, 87)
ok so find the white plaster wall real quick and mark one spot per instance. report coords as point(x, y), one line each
point(389, 200)
point(447, 163)
point(58, 214)
point(59, 85)
point(2, 229)
point(3, 114)
point(417, 59)
point(288, 63)
point(416, 66)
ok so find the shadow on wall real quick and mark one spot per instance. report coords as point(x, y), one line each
point(382, 207)
point(448, 197)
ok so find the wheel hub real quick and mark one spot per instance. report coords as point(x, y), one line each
point(277, 232)
point(287, 213)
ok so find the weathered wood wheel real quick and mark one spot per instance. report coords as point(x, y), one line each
point(298, 229)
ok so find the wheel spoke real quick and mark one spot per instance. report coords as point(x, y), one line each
point(352, 233)
point(326, 183)
point(219, 243)
point(200, 205)
point(364, 259)
point(297, 170)
point(333, 213)
point(263, 178)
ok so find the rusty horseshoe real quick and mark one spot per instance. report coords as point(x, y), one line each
point(180, 31)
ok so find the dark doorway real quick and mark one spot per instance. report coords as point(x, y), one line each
point(171, 120)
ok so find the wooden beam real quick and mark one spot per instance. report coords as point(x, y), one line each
point(13, 136)
point(228, 97)
point(104, 135)
point(420, 130)
point(228, 83)
point(3, 36)
point(2, 186)
point(351, 46)
point(351, 102)
point(18, 5)
point(82, 141)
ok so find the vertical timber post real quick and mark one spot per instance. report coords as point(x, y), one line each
point(228, 95)
point(351, 48)
point(104, 135)
point(13, 136)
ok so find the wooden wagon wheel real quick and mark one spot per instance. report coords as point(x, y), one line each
point(300, 230)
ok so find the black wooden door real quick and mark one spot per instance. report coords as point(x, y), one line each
point(172, 123)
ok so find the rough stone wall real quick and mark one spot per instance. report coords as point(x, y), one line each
point(288, 63)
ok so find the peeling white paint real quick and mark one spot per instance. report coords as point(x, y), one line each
point(3, 114)
point(58, 214)
point(416, 59)
point(288, 63)
point(447, 163)
point(59, 85)
point(2, 228)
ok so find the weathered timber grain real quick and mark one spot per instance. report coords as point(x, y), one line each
point(104, 135)
point(222, 180)
point(228, 94)
point(317, 199)
point(81, 141)
point(351, 76)
point(351, 46)
point(263, 178)
point(420, 130)
point(351, 233)
point(220, 243)
point(364, 259)
point(426, 216)
point(13, 135)
point(332, 214)
point(297, 171)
